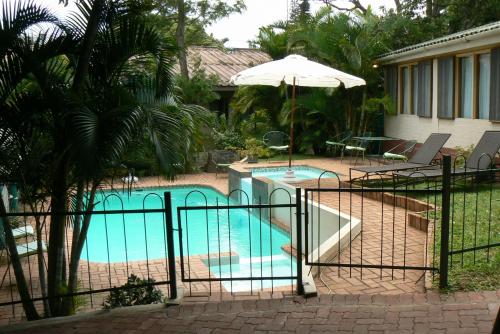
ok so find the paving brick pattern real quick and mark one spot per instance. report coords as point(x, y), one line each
point(406, 313)
point(386, 239)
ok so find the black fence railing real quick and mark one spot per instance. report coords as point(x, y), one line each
point(115, 240)
point(190, 243)
point(377, 231)
point(242, 247)
point(387, 227)
point(474, 231)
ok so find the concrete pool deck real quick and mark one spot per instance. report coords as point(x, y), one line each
point(332, 281)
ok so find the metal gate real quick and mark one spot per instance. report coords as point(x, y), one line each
point(234, 245)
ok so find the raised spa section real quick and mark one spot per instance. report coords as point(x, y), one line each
point(329, 229)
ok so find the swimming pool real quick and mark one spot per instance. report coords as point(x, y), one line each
point(300, 172)
point(137, 237)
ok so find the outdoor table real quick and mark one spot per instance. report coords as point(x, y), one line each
point(378, 139)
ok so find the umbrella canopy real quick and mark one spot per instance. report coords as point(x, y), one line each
point(295, 70)
point(305, 72)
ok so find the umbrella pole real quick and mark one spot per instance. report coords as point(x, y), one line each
point(291, 126)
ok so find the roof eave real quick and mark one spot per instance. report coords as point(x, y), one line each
point(485, 39)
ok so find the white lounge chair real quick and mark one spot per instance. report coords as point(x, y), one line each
point(29, 248)
point(23, 231)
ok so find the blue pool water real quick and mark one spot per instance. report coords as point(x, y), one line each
point(301, 172)
point(119, 238)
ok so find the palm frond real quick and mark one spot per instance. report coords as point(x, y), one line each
point(18, 16)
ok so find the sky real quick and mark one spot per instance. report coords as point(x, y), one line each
point(240, 28)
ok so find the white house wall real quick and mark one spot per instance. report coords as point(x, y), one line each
point(464, 132)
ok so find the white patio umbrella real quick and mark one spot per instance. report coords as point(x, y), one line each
point(295, 70)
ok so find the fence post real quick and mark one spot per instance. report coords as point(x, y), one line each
point(445, 222)
point(298, 220)
point(170, 245)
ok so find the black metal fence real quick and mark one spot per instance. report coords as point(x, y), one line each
point(237, 248)
point(242, 247)
point(472, 236)
point(383, 228)
point(425, 221)
point(379, 230)
point(114, 240)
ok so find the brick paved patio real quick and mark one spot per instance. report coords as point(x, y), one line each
point(406, 313)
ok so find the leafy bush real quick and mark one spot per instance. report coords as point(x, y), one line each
point(257, 124)
point(134, 292)
point(198, 89)
point(228, 140)
point(256, 148)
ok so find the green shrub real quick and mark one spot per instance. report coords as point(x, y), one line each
point(257, 124)
point(256, 148)
point(134, 292)
point(228, 140)
point(199, 88)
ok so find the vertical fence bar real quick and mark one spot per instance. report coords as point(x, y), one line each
point(170, 245)
point(445, 222)
point(298, 219)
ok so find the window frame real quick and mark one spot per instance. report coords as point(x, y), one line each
point(475, 82)
point(430, 87)
point(453, 88)
point(410, 66)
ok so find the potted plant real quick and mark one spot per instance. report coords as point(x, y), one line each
point(254, 149)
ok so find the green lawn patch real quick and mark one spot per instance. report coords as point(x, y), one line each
point(474, 222)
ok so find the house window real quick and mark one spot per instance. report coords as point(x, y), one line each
point(414, 89)
point(465, 86)
point(446, 84)
point(424, 105)
point(484, 86)
point(494, 106)
point(408, 89)
point(405, 90)
point(391, 84)
point(474, 86)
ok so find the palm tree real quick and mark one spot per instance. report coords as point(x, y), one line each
point(74, 89)
point(347, 42)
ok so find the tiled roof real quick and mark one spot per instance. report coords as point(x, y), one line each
point(435, 43)
point(224, 63)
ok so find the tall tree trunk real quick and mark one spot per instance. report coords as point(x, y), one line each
point(88, 43)
point(429, 8)
point(179, 35)
point(22, 285)
point(79, 235)
point(56, 238)
point(41, 262)
point(398, 6)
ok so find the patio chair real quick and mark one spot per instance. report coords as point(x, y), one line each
point(339, 141)
point(407, 147)
point(480, 160)
point(422, 158)
point(222, 159)
point(29, 248)
point(25, 249)
point(356, 146)
point(23, 231)
point(277, 141)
